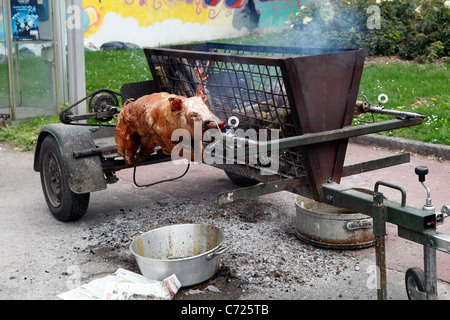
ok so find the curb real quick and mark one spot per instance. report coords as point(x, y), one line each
point(422, 148)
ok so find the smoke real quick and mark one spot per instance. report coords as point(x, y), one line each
point(322, 24)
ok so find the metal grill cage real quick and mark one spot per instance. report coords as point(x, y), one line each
point(247, 82)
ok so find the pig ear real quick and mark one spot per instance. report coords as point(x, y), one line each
point(175, 104)
point(201, 92)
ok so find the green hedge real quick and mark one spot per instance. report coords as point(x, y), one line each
point(413, 29)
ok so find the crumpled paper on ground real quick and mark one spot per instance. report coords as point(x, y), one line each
point(162, 290)
point(125, 285)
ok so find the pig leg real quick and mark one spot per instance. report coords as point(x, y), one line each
point(131, 146)
point(125, 141)
point(146, 147)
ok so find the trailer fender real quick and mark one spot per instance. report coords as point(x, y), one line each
point(85, 174)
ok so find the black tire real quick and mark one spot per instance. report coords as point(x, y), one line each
point(414, 279)
point(241, 180)
point(64, 204)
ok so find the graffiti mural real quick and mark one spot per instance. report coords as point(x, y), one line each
point(158, 22)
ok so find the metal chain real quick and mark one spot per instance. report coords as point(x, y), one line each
point(63, 112)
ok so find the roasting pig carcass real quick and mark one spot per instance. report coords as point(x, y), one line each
point(150, 121)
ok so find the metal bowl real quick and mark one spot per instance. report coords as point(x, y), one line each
point(326, 226)
point(190, 251)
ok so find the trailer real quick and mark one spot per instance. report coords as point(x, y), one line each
point(289, 113)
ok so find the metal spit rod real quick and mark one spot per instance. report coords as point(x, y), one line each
point(395, 113)
point(362, 107)
point(319, 137)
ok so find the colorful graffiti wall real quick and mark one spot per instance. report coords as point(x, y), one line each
point(155, 22)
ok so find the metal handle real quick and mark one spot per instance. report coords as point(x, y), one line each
point(393, 186)
point(382, 98)
point(359, 224)
point(134, 234)
point(421, 171)
point(233, 122)
point(445, 212)
point(218, 251)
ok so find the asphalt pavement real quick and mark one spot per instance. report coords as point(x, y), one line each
point(41, 257)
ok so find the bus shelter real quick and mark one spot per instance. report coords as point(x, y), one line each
point(33, 67)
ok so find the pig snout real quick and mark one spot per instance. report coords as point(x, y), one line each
point(214, 124)
point(199, 111)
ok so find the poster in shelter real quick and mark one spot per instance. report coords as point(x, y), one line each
point(24, 20)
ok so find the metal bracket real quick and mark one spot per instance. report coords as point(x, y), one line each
point(375, 164)
point(258, 190)
point(406, 217)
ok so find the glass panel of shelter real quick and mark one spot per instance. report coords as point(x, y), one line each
point(5, 107)
point(32, 67)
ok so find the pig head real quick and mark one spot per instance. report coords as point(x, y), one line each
point(150, 121)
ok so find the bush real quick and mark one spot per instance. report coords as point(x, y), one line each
point(412, 29)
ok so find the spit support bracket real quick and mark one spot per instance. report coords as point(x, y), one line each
point(406, 217)
point(300, 184)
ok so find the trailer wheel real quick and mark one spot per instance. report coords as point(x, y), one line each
point(64, 204)
point(241, 180)
point(415, 284)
